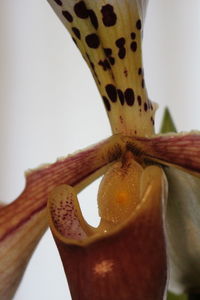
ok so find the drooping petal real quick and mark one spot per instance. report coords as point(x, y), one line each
point(127, 262)
point(109, 34)
point(16, 248)
point(23, 222)
point(180, 150)
point(183, 230)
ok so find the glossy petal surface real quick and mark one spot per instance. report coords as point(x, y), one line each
point(129, 261)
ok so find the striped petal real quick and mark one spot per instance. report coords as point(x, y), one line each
point(179, 150)
point(109, 35)
point(118, 261)
point(17, 245)
point(23, 222)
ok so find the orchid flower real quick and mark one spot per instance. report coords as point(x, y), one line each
point(125, 257)
point(109, 37)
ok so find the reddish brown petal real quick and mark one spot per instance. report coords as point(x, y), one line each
point(128, 263)
point(180, 150)
point(23, 222)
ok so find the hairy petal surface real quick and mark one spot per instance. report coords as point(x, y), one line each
point(23, 222)
point(180, 150)
point(127, 262)
point(183, 230)
point(109, 35)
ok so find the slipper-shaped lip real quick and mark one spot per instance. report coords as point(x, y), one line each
point(117, 229)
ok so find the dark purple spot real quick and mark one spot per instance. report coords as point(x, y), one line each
point(92, 40)
point(120, 42)
point(75, 42)
point(129, 96)
point(112, 92)
point(122, 53)
point(92, 65)
point(139, 99)
point(143, 83)
point(105, 64)
point(111, 60)
point(67, 16)
point(109, 16)
point(133, 35)
point(106, 103)
point(93, 18)
point(121, 96)
point(133, 46)
point(140, 71)
point(125, 72)
point(77, 33)
point(81, 10)
point(145, 106)
point(107, 51)
point(58, 2)
point(139, 24)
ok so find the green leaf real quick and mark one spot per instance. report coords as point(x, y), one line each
point(182, 225)
point(171, 296)
point(167, 123)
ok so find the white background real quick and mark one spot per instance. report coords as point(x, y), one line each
point(49, 104)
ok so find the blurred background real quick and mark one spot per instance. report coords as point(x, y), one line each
point(49, 104)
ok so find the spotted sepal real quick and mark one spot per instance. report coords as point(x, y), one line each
point(109, 36)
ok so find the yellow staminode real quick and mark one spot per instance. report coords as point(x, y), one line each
point(119, 192)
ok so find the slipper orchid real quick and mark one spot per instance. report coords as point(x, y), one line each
point(125, 257)
point(109, 37)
